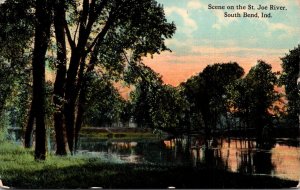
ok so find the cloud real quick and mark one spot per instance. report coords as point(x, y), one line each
point(206, 37)
point(221, 21)
point(176, 68)
point(189, 25)
point(194, 4)
point(287, 30)
point(236, 51)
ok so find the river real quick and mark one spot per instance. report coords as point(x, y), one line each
point(280, 158)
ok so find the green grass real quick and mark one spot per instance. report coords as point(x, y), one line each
point(107, 135)
point(117, 133)
point(18, 169)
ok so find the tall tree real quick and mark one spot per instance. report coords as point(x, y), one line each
point(17, 29)
point(145, 95)
point(253, 97)
point(216, 78)
point(259, 89)
point(195, 92)
point(102, 32)
point(123, 25)
point(41, 40)
point(289, 78)
point(207, 91)
point(59, 22)
point(11, 44)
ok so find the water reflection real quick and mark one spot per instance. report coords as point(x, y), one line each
point(237, 155)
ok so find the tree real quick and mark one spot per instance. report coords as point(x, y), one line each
point(206, 92)
point(104, 103)
point(217, 77)
point(289, 77)
point(15, 40)
point(123, 25)
point(254, 97)
point(99, 34)
point(261, 82)
point(42, 37)
point(61, 65)
point(196, 94)
point(157, 105)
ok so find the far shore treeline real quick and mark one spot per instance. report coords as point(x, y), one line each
point(92, 45)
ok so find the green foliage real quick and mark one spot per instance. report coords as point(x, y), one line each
point(206, 92)
point(15, 91)
point(252, 97)
point(107, 30)
point(137, 27)
point(157, 105)
point(16, 20)
point(290, 74)
point(261, 81)
point(4, 121)
point(104, 103)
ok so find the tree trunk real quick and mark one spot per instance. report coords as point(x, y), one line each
point(42, 36)
point(59, 19)
point(78, 55)
point(70, 97)
point(83, 85)
point(80, 113)
point(81, 89)
point(29, 127)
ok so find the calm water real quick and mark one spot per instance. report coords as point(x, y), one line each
point(281, 158)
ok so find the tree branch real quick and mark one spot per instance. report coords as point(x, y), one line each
point(76, 30)
point(102, 34)
point(94, 14)
point(82, 22)
point(71, 42)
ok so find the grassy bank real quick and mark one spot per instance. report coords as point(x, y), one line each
point(19, 170)
point(117, 132)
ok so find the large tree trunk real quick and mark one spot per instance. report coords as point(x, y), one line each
point(29, 127)
point(42, 36)
point(59, 19)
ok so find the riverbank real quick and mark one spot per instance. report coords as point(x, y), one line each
point(275, 132)
point(19, 170)
point(117, 132)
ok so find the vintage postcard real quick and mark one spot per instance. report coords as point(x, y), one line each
point(159, 94)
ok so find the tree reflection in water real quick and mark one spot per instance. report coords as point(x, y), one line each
point(233, 154)
point(262, 159)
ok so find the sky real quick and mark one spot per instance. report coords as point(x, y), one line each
point(205, 37)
